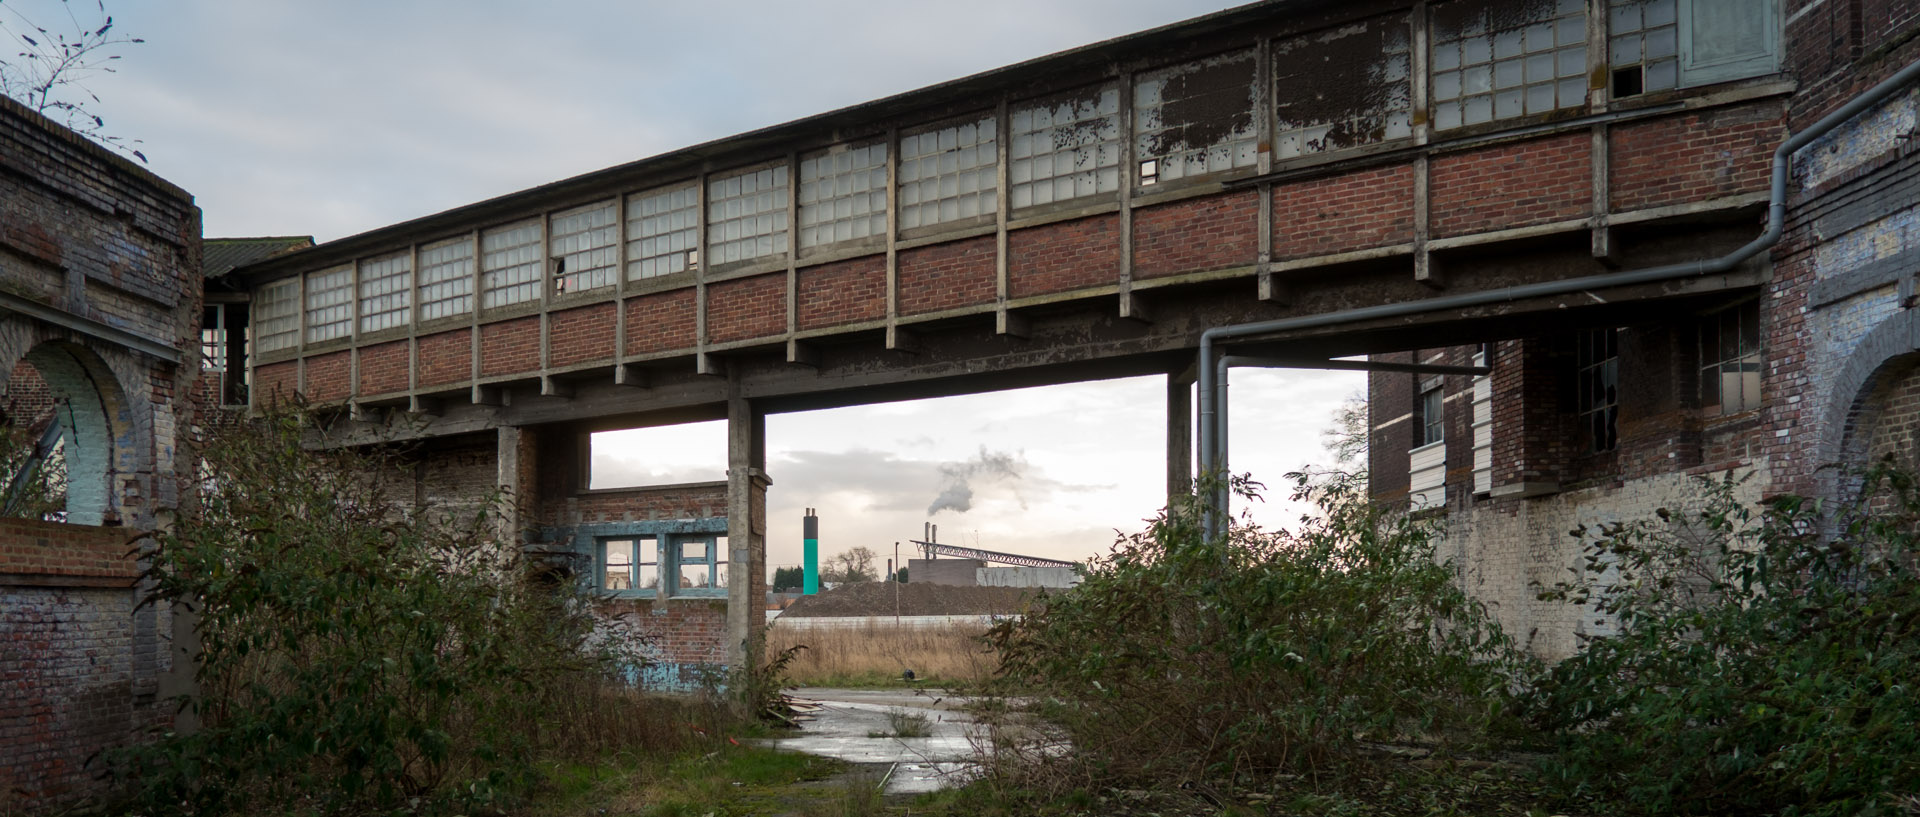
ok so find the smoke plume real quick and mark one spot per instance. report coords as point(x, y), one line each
point(956, 478)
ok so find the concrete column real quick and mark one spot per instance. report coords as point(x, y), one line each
point(746, 526)
point(1179, 436)
point(517, 458)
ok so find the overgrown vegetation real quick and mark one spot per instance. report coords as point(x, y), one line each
point(360, 655)
point(1320, 662)
point(877, 653)
point(1765, 662)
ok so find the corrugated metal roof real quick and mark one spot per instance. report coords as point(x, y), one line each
point(219, 256)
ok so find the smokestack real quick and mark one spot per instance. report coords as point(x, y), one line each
point(810, 533)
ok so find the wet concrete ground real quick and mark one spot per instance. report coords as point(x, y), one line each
point(854, 725)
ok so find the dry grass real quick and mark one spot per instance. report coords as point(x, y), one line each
point(879, 652)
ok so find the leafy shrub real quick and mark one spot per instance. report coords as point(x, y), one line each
point(1264, 656)
point(356, 653)
point(1764, 663)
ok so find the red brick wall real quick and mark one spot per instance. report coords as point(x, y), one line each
point(661, 322)
point(946, 276)
point(1064, 256)
point(1702, 155)
point(685, 631)
point(1196, 235)
point(581, 335)
point(446, 357)
point(69, 555)
point(843, 292)
point(1366, 208)
point(329, 376)
point(275, 381)
point(744, 308)
point(696, 501)
point(510, 347)
point(1513, 185)
point(383, 368)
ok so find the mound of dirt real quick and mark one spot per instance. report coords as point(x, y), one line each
point(922, 599)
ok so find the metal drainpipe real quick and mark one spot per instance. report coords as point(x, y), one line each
point(1213, 433)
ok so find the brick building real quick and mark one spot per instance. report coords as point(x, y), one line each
point(1305, 181)
point(99, 301)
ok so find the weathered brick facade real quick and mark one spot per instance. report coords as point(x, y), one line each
point(101, 308)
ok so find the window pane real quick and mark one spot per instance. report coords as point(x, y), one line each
point(386, 292)
point(948, 173)
point(580, 244)
point(329, 304)
point(446, 278)
point(1500, 43)
point(843, 195)
point(510, 263)
point(618, 571)
point(1065, 135)
point(747, 215)
point(276, 316)
point(1195, 118)
point(662, 232)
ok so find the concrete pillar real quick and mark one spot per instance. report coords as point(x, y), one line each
point(746, 527)
point(1179, 435)
point(517, 458)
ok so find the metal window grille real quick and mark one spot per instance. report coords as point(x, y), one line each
point(581, 244)
point(663, 232)
point(446, 278)
point(843, 195)
point(949, 173)
point(329, 304)
point(386, 292)
point(747, 215)
point(1499, 60)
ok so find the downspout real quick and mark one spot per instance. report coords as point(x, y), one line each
point(1213, 432)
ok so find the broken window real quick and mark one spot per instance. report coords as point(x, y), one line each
point(1597, 387)
point(1730, 360)
point(581, 243)
point(949, 173)
point(1065, 147)
point(747, 215)
point(630, 563)
point(213, 338)
point(1195, 119)
point(843, 194)
point(386, 292)
point(329, 304)
point(1499, 60)
point(1659, 45)
point(446, 278)
point(663, 232)
point(276, 312)
point(1341, 88)
point(510, 262)
point(701, 563)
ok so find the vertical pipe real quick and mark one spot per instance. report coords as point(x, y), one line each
point(810, 533)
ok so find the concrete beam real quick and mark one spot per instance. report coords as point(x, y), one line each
point(746, 525)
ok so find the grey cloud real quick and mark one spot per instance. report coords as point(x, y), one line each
point(956, 479)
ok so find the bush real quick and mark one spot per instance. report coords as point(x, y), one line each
point(1262, 657)
point(1764, 663)
point(356, 653)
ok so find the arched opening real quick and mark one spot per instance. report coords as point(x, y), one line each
point(61, 409)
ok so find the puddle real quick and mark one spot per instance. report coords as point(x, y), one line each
point(849, 725)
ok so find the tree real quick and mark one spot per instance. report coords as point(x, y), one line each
point(850, 566)
point(789, 579)
point(49, 72)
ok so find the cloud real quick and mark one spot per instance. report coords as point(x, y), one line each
point(956, 479)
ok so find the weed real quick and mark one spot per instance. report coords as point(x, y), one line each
point(905, 723)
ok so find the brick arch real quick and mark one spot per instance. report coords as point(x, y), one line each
point(1864, 414)
point(94, 418)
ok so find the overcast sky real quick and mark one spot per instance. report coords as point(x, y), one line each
point(331, 118)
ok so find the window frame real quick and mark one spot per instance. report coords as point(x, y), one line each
point(669, 556)
point(1711, 329)
point(1597, 388)
point(1432, 413)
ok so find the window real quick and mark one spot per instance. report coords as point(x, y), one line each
point(747, 215)
point(386, 292)
point(1194, 119)
point(1658, 45)
point(1597, 387)
point(1499, 60)
point(702, 563)
point(446, 279)
point(1730, 360)
point(663, 232)
point(510, 264)
point(213, 338)
point(581, 244)
point(278, 312)
point(329, 304)
point(1432, 417)
point(1372, 57)
point(949, 173)
point(843, 195)
point(631, 563)
point(1065, 148)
